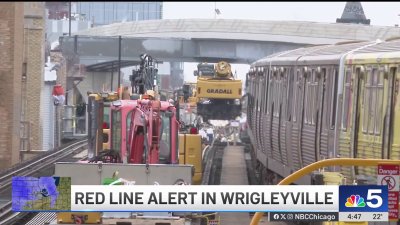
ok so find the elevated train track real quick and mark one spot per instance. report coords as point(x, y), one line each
point(41, 165)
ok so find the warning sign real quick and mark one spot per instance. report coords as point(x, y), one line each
point(389, 175)
point(389, 181)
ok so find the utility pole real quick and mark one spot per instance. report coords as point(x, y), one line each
point(119, 61)
point(69, 18)
point(215, 10)
point(112, 75)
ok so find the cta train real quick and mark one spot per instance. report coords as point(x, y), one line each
point(326, 101)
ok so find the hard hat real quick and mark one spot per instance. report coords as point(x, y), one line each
point(150, 92)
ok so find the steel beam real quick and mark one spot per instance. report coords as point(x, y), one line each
point(102, 50)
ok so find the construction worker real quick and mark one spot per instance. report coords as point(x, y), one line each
point(151, 94)
point(203, 133)
point(210, 134)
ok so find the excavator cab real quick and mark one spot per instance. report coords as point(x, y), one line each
point(144, 131)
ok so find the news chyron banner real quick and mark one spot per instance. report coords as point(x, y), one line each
point(285, 203)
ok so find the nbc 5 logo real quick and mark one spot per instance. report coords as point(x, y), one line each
point(371, 198)
point(357, 201)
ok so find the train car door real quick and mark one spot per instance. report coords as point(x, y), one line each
point(270, 112)
point(369, 117)
point(283, 106)
point(287, 116)
point(345, 119)
point(328, 115)
point(252, 105)
point(263, 115)
point(277, 81)
point(321, 115)
point(394, 122)
point(312, 102)
point(257, 112)
point(298, 95)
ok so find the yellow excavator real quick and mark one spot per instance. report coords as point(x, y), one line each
point(218, 92)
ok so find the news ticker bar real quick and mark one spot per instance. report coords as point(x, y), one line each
point(328, 202)
point(232, 198)
point(328, 216)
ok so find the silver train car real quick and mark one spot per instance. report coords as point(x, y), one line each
point(322, 102)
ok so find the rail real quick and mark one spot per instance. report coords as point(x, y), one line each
point(35, 158)
point(6, 214)
point(324, 163)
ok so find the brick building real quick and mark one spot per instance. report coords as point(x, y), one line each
point(34, 30)
point(21, 78)
point(11, 31)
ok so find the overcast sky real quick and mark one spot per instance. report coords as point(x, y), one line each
point(380, 13)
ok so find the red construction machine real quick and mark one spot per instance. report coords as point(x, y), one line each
point(143, 148)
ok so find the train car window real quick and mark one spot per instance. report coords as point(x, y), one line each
point(276, 94)
point(289, 96)
point(334, 98)
point(249, 99)
point(323, 112)
point(278, 86)
point(283, 92)
point(255, 94)
point(311, 98)
point(347, 99)
point(271, 91)
point(259, 94)
point(262, 94)
point(266, 90)
point(328, 86)
point(372, 102)
point(307, 100)
point(378, 78)
point(260, 91)
point(297, 88)
point(315, 96)
point(365, 102)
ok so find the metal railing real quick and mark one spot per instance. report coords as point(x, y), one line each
point(73, 125)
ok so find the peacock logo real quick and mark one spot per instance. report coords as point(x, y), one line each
point(355, 201)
